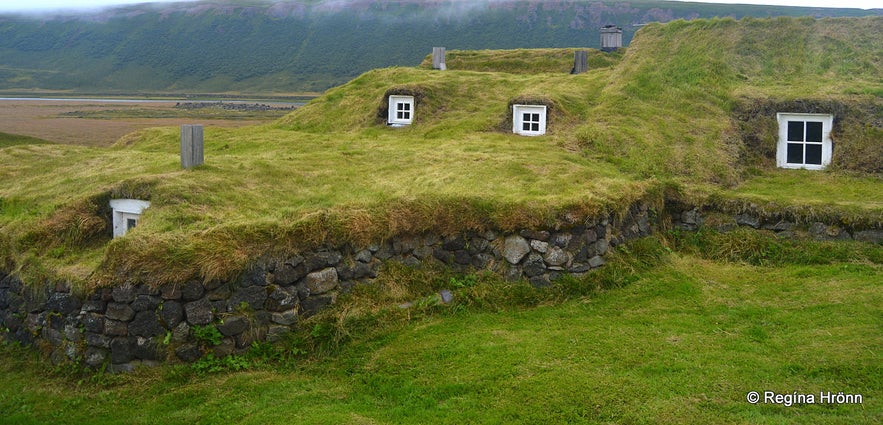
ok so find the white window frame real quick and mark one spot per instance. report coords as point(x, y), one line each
point(125, 210)
point(403, 116)
point(827, 121)
point(537, 115)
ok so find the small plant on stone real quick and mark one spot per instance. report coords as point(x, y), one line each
point(208, 336)
point(243, 307)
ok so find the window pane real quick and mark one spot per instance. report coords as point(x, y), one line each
point(406, 106)
point(795, 153)
point(525, 117)
point(400, 115)
point(406, 115)
point(525, 126)
point(535, 127)
point(814, 132)
point(814, 154)
point(795, 131)
point(535, 118)
point(130, 223)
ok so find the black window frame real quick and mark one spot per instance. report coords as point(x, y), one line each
point(804, 140)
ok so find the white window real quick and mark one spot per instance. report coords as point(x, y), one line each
point(401, 110)
point(804, 140)
point(529, 120)
point(126, 213)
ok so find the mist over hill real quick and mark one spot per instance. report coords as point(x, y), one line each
point(267, 47)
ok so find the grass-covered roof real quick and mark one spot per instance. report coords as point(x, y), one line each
point(673, 113)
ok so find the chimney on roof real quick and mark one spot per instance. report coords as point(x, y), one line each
point(438, 58)
point(611, 38)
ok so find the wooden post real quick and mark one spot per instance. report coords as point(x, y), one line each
point(438, 58)
point(191, 145)
point(580, 62)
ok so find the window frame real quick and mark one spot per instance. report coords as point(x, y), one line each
point(392, 116)
point(518, 121)
point(125, 210)
point(785, 120)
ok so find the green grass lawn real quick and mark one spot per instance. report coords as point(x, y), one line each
point(684, 343)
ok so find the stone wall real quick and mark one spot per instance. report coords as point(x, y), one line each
point(693, 218)
point(128, 325)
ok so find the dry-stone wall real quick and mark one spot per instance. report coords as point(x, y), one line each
point(692, 218)
point(128, 325)
point(124, 326)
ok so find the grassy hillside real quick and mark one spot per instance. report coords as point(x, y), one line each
point(682, 82)
point(656, 120)
point(303, 46)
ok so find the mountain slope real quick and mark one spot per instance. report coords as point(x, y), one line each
point(294, 46)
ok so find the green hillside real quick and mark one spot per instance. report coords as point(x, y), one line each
point(659, 121)
point(303, 46)
point(686, 81)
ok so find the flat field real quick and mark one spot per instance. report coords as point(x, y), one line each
point(101, 123)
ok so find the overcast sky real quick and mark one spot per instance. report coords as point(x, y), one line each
point(43, 5)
